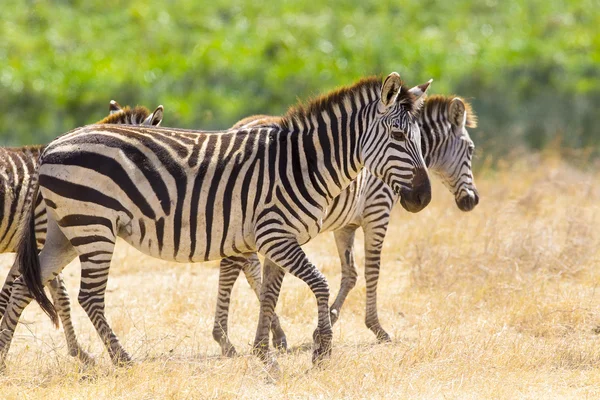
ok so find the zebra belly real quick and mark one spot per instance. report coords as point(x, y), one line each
point(160, 239)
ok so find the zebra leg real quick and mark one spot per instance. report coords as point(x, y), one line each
point(228, 272)
point(374, 235)
point(95, 260)
point(63, 307)
point(7, 287)
point(252, 270)
point(344, 240)
point(269, 293)
point(290, 256)
point(19, 299)
point(57, 253)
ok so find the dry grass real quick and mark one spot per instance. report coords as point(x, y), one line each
point(497, 303)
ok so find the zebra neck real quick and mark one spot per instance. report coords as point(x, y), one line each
point(431, 152)
point(332, 149)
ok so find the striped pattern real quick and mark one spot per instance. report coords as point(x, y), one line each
point(18, 169)
point(367, 203)
point(194, 196)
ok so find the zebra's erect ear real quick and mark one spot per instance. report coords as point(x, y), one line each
point(390, 89)
point(457, 112)
point(419, 92)
point(155, 118)
point(114, 107)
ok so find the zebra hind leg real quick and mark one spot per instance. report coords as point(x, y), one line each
point(63, 307)
point(252, 269)
point(95, 257)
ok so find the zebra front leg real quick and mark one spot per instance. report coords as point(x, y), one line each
point(228, 272)
point(344, 240)
point(289, 255)
point(252, 270)
point(269, 293)
point(63, 308)
point(373, 245)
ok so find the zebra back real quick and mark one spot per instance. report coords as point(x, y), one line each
point(18, 167)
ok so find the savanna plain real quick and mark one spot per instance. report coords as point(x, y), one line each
point(502, 302)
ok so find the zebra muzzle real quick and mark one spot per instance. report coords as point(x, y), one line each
point(419, 196)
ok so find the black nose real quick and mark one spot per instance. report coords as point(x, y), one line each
point(467, 203)
point(419, 197)
point(424, 197)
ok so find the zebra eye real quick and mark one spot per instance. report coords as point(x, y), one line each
point(399, 135)
point(397, 132)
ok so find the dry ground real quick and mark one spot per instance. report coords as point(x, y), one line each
point(501, 302)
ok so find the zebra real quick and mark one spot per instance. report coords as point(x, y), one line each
point(184, 195)
point(367, 203)
point(18, 167)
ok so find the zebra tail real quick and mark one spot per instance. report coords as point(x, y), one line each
point(29, 262)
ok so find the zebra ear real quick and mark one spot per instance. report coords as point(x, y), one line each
point(457, 112)
point(390, 89)
point(155, 118)
point(419, 92)
point(114, 107)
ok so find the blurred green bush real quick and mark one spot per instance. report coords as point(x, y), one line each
point(530, 68)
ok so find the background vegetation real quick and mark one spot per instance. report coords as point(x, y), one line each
point(531, 68)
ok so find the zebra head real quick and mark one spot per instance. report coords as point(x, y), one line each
point(448, 148)
point(133, 116)
point(392, 151)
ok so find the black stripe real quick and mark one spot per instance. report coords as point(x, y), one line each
point(160, 231)
point(197, 189)
point(84, 220)
point(80, 193)
point(108, 167)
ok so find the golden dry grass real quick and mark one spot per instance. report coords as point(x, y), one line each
point(497, 303)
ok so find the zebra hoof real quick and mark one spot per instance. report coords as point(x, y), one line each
point(86, 358)
point(320, 356)
point(383, 337)
point(229, 352)
point(261, 350)
point(122, 359)
point(280, 343)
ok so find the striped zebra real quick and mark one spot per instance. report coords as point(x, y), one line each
point(367, 203)
point(18, 168)
point(186, 196)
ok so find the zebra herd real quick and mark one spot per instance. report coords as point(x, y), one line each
point(267, 185)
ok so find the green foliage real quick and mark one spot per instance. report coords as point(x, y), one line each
point(531, 68)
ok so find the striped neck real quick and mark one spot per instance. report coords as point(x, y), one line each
point(433, 142)
point(332, 136)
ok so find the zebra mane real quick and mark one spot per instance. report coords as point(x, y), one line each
point(442, 102)
point(33, 148)
point(371, 86)
point(138, 113)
